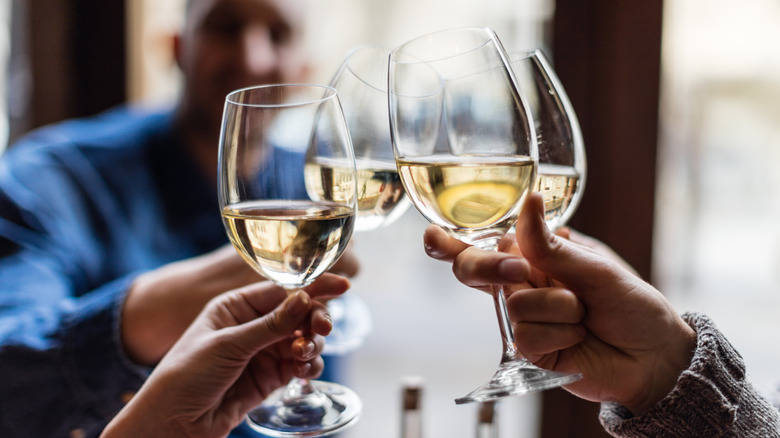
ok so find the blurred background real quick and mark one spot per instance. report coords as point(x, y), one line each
point(679, 104)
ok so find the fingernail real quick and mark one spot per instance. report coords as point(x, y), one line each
point(433, 252)
point(513, 269)
point(304, 369)
point(329, 320)
point(307, 349)
point(298, 303)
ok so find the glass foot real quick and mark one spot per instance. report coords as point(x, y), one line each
point(518, 377)
point(330, 408)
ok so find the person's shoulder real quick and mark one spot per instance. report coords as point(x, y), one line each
point(119, 120)
point(120, 135)
point(116, 127)
point(119, 125)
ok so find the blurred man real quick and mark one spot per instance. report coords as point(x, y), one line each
point(110, 235)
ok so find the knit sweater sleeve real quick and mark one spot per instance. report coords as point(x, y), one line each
point(712, 398)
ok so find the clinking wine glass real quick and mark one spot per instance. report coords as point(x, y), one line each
point(272, 135)
point(466, 149)
point(562, 163)
point(361, 82)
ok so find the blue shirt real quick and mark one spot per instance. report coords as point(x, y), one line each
point(86, 206)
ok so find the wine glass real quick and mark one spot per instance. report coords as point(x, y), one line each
point(562, 164)
point(361, 82)
point(465, 146)
point(271, 136)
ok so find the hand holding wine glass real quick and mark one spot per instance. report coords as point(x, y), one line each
point(595, 317)
point(466, 149)
point(207, 381)
point(271, 136)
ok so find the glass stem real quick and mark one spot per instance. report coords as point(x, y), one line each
point(504, 325)
point(298, 387)
point(510, 353)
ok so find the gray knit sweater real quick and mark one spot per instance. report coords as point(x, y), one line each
point(711, 398)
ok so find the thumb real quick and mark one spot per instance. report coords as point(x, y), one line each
point(279, 324)
point(572, 265)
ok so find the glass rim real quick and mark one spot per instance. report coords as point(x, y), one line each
point(328, 93)
point(519, 55)
point(350, 57)
point(489, 33)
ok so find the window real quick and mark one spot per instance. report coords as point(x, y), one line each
point(5, 55)
point(718, 241)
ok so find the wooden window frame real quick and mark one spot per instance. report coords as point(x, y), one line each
point(608, 55)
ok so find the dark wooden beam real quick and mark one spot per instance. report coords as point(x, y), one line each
point(608, 56)
point(100, 43)
point(74, 56)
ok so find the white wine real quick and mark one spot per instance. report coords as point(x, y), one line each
point(468, 193)
point(558, 186)
point(380, 195)
point(329, 180)
point(289, 242)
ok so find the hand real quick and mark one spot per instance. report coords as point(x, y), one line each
point(596, 246)
point(585, 313)
point(245, 344)
point(162, 303)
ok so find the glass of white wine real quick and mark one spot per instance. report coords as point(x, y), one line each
point(361, 82)
point(466, 149)
point(562, 163)
point(271, 136)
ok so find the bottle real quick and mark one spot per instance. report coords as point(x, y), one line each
point(487, 427)
point(411, 407)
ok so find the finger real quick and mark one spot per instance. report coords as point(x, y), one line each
point(257, 299)
point(564, 232)
point(508, 243)
point(545, 305)
point(309, 369)
point(279, 324)
point(320, 322)
point(328, 285)
point(557, 257)
point(266, 374)
point(249, 302)
point(599, 247)
point(306, 348)
point(475, 267)
point(441, 246)
point(535, 340)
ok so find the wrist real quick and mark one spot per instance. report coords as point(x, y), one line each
point(666, 371)
point(714, 386)
point(161, 303)
point(135, 421)
point(142, 339)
